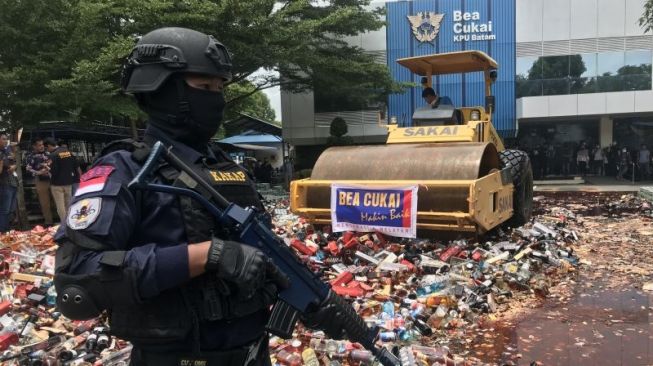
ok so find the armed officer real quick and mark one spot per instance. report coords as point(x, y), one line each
point(154, 261)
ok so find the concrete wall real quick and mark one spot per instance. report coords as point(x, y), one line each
point(585, 104)
point(551, 20)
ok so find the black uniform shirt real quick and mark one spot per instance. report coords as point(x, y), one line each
point(64, 167)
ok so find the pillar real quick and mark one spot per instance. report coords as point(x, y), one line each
point(605, 131)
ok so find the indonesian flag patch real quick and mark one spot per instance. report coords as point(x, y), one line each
point(94, 179)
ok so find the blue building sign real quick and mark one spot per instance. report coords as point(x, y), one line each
point(424, 27)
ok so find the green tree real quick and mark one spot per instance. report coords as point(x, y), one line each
point(256, 105)
point(646, 20)
point(62, 58)
point(629, 77)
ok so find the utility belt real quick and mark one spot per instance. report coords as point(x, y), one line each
point(255, 354)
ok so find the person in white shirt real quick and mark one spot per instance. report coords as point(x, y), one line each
point(598, 161)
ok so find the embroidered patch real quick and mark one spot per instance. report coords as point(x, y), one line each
point(83, 213)
point(236, 176)
point(94, 179)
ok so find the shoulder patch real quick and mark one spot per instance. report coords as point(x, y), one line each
point(94, 179)
point(83, 213)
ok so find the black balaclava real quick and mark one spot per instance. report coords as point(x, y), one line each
point(186, 114)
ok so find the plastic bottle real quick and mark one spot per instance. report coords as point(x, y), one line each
point(399, 321)
point(103, 342)
point(289, 359)
point(388, 336)
point(389, 308)
point(441, 311)
point(91, 342)
point(364, 357)
point(525, 270)
point(51, 297)
point(8, 323)
point(406, 356)
point(310, 358)
point(331, 347)
point(431, 284)
point(318, 345)
point(423, 328)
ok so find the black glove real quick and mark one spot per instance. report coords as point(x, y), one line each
point(237, 263)
point(328, 319)
point(244, 266)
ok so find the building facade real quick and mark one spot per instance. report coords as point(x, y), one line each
point(583, 72)
point(569, 70)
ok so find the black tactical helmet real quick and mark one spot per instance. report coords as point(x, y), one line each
point(165, 51)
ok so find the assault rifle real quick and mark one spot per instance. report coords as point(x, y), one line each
point(306, 292)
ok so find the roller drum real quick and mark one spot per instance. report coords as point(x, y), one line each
point(421, 162)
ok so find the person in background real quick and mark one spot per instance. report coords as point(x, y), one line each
point(550, 160)
point(8, 182)
point(644, 161)
point(64, 172)
point(567, 154)
point(624, 163)
point(582, 159)
point(38, 166)
point(613, 160)
point(606, 161)
point(597, 163)
point(536, 161)
point(258, 172)
point(267, 171)
point(431, 97)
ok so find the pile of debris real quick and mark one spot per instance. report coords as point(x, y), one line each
point(417, 292)
point(32, 331)
point(420, 292)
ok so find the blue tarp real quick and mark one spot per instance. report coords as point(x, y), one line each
point(251, 139)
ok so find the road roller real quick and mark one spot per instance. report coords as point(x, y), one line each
point(468, 182)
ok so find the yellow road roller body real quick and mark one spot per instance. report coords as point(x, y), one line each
point(467, 181)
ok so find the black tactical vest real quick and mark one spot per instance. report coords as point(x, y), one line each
point(174, 315)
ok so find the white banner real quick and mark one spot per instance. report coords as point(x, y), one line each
point(389, 210)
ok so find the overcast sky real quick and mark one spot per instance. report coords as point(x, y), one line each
point(274, 94)
point(275, 100)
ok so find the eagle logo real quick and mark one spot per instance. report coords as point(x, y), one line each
point(426, 25)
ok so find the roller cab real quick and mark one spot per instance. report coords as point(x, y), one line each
point(467, 181)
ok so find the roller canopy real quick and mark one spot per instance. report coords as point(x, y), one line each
point(449, 63)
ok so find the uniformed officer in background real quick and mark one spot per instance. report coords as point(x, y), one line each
point(153, 260)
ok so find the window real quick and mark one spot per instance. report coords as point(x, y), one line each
point(584, 73)
point(588, 60)
point(529, 77)
point(554, 67)
point(524, 65)
point(609, 63)
point(636, 72)
point(555, 74)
